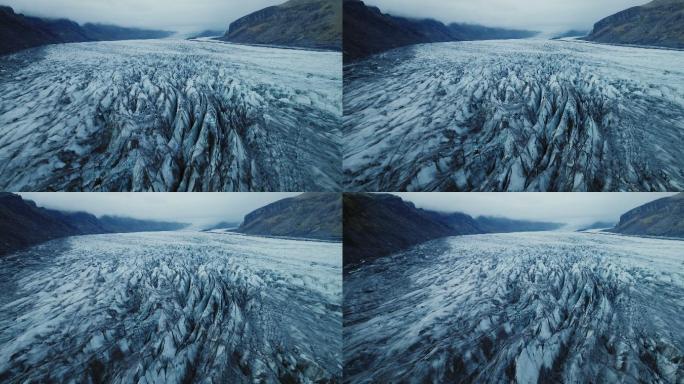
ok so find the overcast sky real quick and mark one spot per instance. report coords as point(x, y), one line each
point(176, 15)
point(192, 208)
point(540, 15)
point(575, 209)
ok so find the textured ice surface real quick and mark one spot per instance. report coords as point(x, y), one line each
point(515, 115)
point(170, 308)
point(529, 308)
point(170, 115)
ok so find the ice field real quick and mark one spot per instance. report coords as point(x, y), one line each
point(523, 307)
point(172, 307)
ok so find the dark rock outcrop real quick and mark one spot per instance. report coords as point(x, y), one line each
point(662, 217)
point(18, 32)
point(658, 23)
point(23, 224)
point(367, 31)
point(309, 215)
point(297, 23)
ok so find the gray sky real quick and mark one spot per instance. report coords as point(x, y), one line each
point(574, 209)
point(192, 208)
point(176, 15)
point(541, 15)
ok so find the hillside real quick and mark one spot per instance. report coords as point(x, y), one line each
point(23, 223)
point(18, 32)
point(367, 31)
point(658, 23)
point(297, 23)
point(377, 225)
point(662, 217)
point(309, 215)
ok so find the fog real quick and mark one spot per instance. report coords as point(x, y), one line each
point(539, 15)
point(191, 208)
point(173, 15)
point(575, 209)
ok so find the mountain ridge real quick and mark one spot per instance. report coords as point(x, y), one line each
point(313, 24)
point(377, 225)
point(310, 215)
point(662, 217)
point(19, 32)
point(658, 23)
point(367, 30)
point(23, 224)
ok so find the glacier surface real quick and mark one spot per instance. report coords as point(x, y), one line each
point(173, 307)
point(170, 115)
point(528, 308)
point(519, 115)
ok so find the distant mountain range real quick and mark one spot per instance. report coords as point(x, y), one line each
point(367, 31)
point(309, 215)
point(23, 224)
point(18, 32)
point(658, 23)
point(662, 217)
point(597, 225)
point(377, 225)
point(297, 23)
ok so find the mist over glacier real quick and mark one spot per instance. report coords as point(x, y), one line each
point(170, 115)
point(531, 307)
point(172, 307)
point(523, 115)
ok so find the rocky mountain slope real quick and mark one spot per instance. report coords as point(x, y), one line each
point(309, 215)
point(23, 223)
point(367, 31)
point(658, 23)
point(298, 23)
point(377, 225)
point(663, 217)
point(18, 32)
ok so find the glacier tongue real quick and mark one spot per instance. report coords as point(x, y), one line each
point(170, 115)
point(533, 307)
point(524, 115)
point(172, 307)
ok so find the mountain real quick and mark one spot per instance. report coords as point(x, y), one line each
point(296, 23)
point(658, 23)
point(309, 215)
point(570, 33)
point(662, 217)
point(367, 31)
point(491, 224)
point(222, 225)
point(117, 224)
point(23, 224)
point(107, 32)
point(18, 32)
point(377, 225)
point(597, 225)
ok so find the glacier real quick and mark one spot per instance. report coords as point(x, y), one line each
point(172, 307)
point(555, 307)
point(170, 115)
point(518, 115)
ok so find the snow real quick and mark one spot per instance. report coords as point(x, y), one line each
point(170, 115)
point(525, 307)
point(517, 115)
point(172, 307)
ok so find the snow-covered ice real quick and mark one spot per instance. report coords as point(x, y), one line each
point(172, 307)
point(556, 307)
point(170, 115)
point(518, 115)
